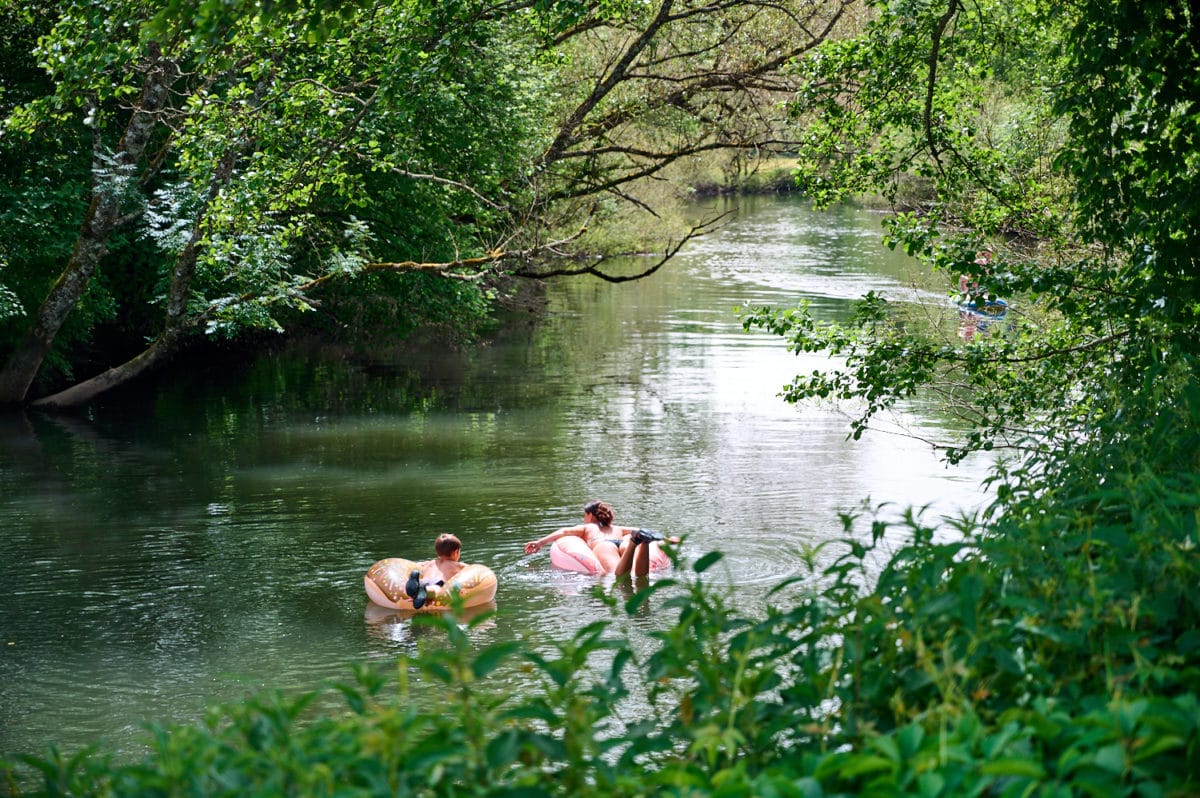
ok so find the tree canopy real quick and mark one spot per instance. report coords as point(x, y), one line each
point(195, 168)
point(1060, 143)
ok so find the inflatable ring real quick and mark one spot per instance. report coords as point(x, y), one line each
point(385, 580)
point(571, 553)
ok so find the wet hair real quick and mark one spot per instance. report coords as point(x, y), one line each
point(446, 545)
point(601, 511)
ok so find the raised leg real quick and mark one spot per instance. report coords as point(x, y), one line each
point(641, 559)
point(626, 562)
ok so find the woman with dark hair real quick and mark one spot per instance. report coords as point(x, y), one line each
point(620, 549)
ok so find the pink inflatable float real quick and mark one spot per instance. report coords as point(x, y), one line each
point(571, 553)
point(385, 581)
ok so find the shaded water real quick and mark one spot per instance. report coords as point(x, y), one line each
point(211, 540)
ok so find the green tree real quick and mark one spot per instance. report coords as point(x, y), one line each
point(1063, 142)
point(230, 161)
point(239, 158)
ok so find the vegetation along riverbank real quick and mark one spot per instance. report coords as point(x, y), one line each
point(206, 169)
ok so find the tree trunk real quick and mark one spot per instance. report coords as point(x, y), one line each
point(176, 321)
point(158, 352)
point(569, 130)
point(81, 393)
point(103, 218)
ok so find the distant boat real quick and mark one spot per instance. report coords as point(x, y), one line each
point(990, 308)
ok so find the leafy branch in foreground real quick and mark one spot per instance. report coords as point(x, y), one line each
point(1008, 388)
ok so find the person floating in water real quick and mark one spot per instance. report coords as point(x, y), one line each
point(432, 575)
point(969, 284)
point(616, 547)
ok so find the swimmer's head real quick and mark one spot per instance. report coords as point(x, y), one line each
point(600, 511)
point(446, 545)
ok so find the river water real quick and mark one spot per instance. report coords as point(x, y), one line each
point(210, 540)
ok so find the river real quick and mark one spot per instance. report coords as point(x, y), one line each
point(210, 539)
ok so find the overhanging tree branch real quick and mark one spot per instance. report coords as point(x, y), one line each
point(931, 85)
point(594, 269)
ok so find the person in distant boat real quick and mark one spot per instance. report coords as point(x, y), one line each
point(607, 541)
point(968, 284)
point(434, 574)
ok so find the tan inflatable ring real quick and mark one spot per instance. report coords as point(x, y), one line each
point(385, 581)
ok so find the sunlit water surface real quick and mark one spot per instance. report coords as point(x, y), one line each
point(161, 554)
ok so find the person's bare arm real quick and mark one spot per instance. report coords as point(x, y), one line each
point(535, 545)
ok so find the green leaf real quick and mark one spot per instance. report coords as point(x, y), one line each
point(1111, 758)
point(491, 657)
point(502, 750)
point(1013, 766)
point(861, 764)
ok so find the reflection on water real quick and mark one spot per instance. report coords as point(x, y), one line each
point(211, 539)
point(397, 626)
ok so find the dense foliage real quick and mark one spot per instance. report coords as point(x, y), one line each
point(1051, 156)
point(175, 170)
point(1062, 142)
point(214, 176)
